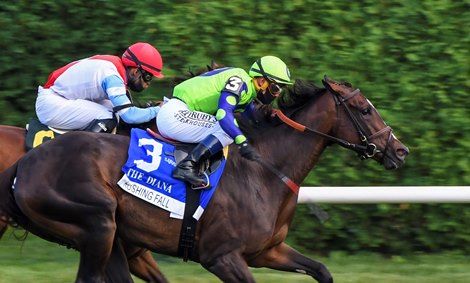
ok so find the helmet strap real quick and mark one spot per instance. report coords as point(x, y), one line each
point(261, 70)
point(265, 75)
point(139, 64)
point(132, 57)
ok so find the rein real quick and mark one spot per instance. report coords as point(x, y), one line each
point(365, 150)
point(291, 184)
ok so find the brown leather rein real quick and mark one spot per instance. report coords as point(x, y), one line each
point(365, 150)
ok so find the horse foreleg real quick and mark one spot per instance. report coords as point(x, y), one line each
point(283, 257)
point(230, 267)
point(143, 265)
point(3, 224)
point(96, 248)
point(117, 268)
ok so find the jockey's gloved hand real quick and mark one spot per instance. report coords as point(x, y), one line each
point(247, 151)
point(152, 103)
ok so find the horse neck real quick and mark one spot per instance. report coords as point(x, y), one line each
point(295, 153)
point(292, 153)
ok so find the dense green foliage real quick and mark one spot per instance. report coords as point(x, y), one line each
point(411, 58)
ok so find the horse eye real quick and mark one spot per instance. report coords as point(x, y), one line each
point(366, 111)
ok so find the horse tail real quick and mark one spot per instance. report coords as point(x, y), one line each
point(8, 207)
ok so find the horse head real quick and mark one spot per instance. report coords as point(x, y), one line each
point(369, 135)
point(337, 114)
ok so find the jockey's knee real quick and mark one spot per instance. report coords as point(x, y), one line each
point(102, 125)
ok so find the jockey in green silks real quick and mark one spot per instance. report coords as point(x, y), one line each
point(202, 110)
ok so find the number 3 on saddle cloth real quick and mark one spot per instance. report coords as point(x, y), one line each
point(147, 173)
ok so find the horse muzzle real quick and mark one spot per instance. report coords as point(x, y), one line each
point(394, 157)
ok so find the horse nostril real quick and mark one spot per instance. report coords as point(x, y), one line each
point(402, 153)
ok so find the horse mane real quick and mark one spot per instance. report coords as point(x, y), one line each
point(194, 73)
point(297, 94)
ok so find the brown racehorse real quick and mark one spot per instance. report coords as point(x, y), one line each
point(12, 147)
point(248, 218)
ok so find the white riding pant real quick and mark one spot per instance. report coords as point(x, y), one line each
point(176, 121)
point(61, 113)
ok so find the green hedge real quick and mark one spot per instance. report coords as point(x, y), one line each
point(411, 58)
point(384, 228)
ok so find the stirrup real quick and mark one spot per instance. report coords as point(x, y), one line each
point(195, 184)
point(203, 186)
point(187, 175)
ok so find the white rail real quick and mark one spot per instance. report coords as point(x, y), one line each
point(358, 195)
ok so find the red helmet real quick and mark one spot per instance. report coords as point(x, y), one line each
point(145, 56)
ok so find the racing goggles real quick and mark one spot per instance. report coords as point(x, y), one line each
point(274, 88)
point(146, 76)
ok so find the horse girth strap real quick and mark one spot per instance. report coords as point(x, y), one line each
point(189, 225)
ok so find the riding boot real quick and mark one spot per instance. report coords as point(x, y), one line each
point(102, 125)
point(187, 169)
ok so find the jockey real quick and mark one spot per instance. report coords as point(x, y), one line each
point(202, 110)
point(84, 94)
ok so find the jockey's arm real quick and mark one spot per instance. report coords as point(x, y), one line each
point(116, 90)
point(249, 112)
point(227, 104)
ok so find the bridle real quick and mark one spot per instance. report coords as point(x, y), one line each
point(367, 149)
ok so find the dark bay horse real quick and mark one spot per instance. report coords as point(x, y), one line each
point(12, 148)
point(248, 219)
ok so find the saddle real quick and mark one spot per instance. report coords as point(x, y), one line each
point(207, 166)
point(37, 133)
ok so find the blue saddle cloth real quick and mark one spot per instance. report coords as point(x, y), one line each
point(147, 175)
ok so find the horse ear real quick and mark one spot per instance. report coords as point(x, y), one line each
point(325, 78)
point(214, 65)
point(332, 85)
point(326, 83)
